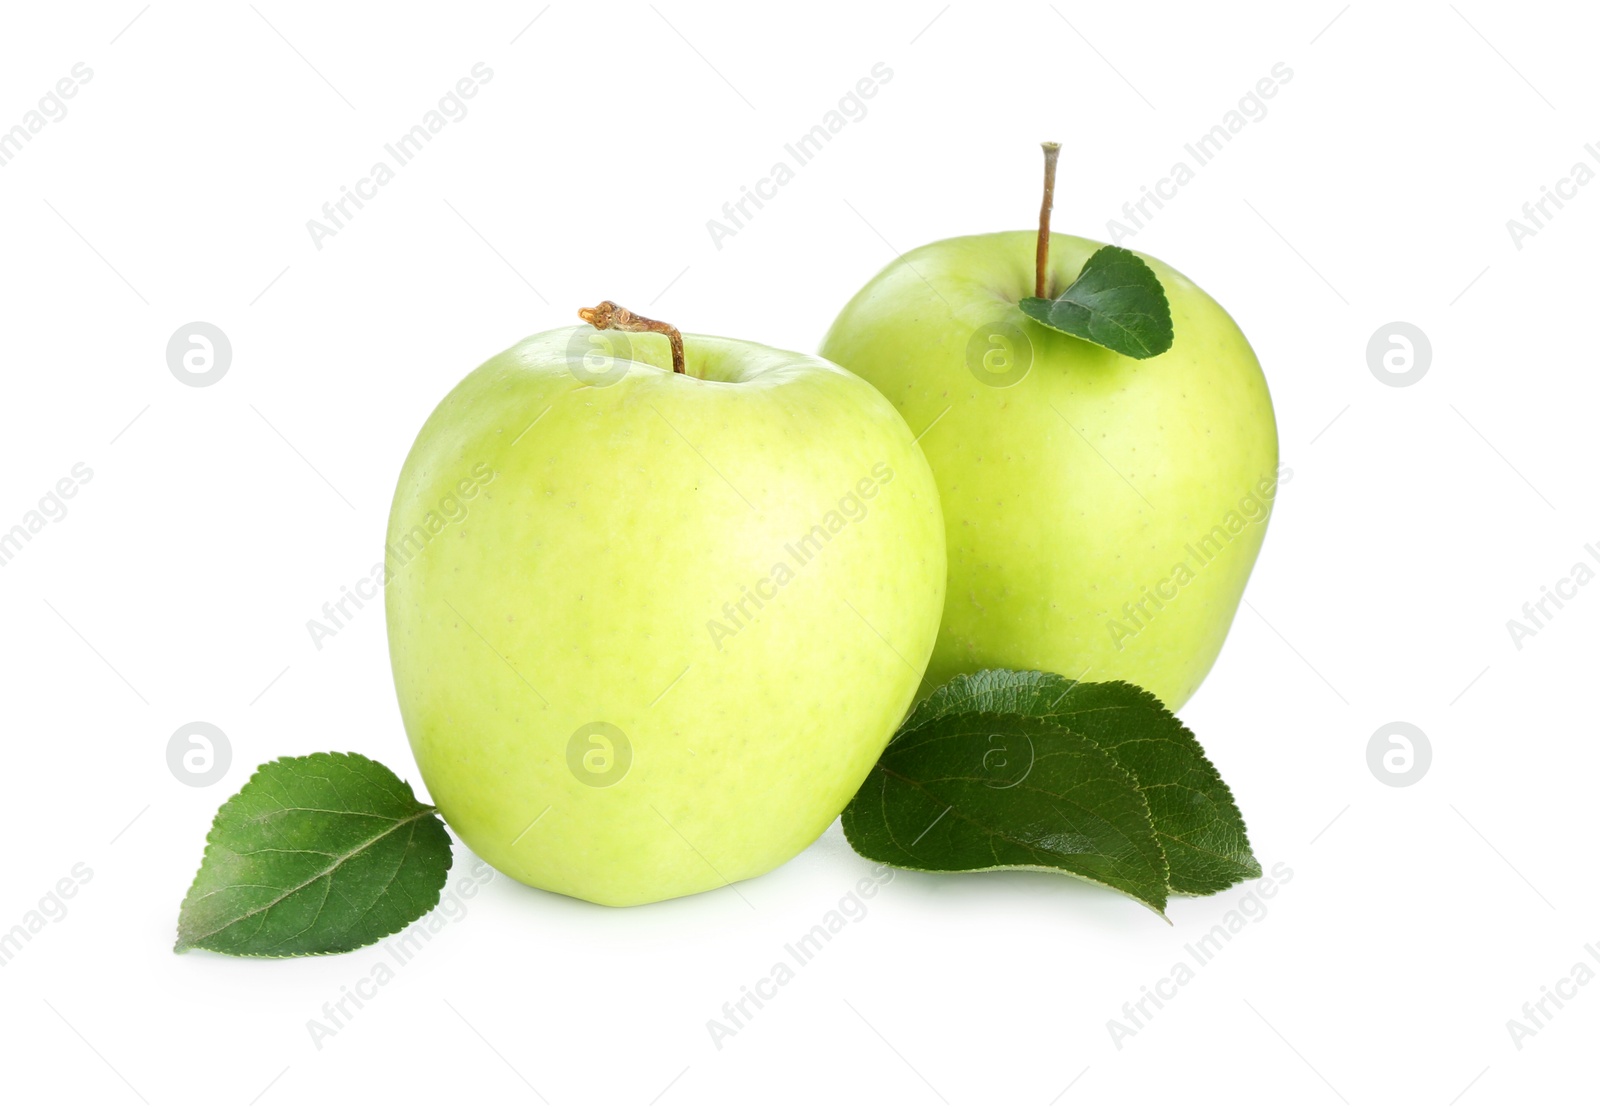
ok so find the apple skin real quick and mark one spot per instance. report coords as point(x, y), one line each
point(1081, 488)
point(574, 590)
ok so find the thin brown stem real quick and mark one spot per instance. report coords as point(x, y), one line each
point(1041, 255)
point(610, 314)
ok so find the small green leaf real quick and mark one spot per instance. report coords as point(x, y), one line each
point(985, 790)
point(1193, 811)
point(316, 854)
point(1117, 302)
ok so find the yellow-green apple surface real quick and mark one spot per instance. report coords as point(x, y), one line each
point(650, 630)
point(1102, 512)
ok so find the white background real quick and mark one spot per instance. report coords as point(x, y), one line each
point(219, 520)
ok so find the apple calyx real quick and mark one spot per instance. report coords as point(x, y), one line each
point(1041, 255)
point(610, 314)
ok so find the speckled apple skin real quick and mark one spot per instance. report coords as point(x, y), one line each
point(1081, 489)
point(577, 587)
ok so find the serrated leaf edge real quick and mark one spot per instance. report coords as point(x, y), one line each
point(431, 811)
point(1197, 750)
point(1187, 733)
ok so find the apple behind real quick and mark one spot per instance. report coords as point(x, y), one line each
point(1102, 513)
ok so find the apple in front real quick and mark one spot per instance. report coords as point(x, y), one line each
point(650, 630)
point(1102, 513)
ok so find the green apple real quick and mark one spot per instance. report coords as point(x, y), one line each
point(1102, 513)
point(650, 630)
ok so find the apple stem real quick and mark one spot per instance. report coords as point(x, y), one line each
point(610, 314)
point(1041, 255)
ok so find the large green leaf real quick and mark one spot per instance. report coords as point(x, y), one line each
point(1194, 814)
point(982, 790)
point(318, 853)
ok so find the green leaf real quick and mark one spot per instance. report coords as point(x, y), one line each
point(1117, 302)
point(985, 790)
point(1194, 814)
point(319, 853)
